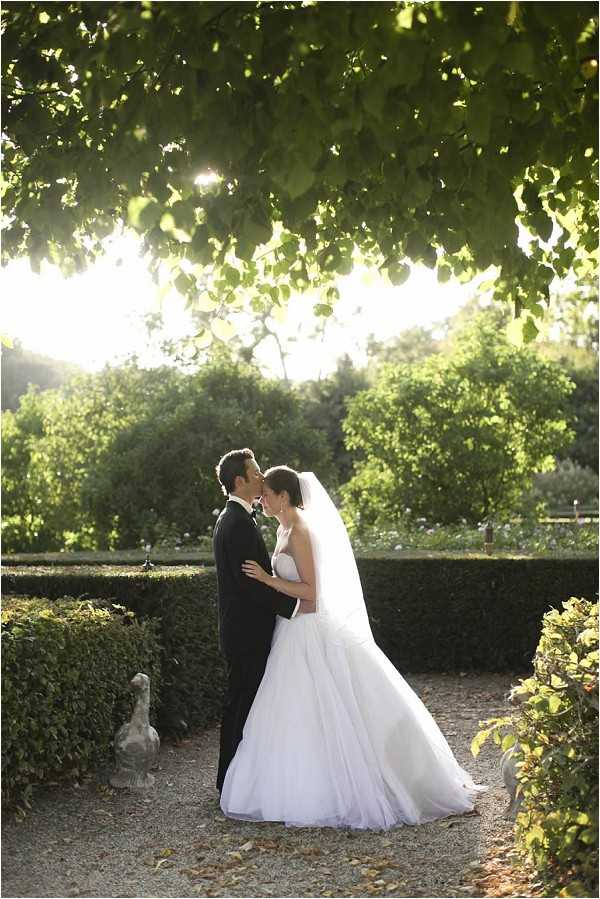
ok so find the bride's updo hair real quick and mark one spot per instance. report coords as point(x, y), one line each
point(282, 478)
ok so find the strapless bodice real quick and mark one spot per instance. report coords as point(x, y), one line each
point(285, 567)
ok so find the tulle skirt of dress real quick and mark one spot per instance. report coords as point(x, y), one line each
point(336, 737)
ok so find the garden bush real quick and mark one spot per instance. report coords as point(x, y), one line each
point(183, 599)
point(441, 614)
point(555, 489)
point(557, 767)
point(66, 666)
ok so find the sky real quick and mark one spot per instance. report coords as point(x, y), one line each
point(97, 317)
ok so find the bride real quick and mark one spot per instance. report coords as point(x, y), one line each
point(335, 736)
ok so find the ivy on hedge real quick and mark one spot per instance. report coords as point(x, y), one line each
point(66, 666)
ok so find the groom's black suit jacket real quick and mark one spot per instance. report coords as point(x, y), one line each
point(247, 611)
point(247, 608)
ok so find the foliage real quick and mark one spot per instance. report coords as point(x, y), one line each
point(584, 402)
point(410, 346)
point(443, 614)
point(557, 769)
point(162, 469)
point(401, 131)
point(456, 437)
point(66, 666)
point(130, 454)
point(55, 444)
point(21, 367)
point(572, 319)
point(326, 406)
point(568, 482)
point(181, 601)
point(527, 537)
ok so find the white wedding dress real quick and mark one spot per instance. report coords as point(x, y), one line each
point(336, 737)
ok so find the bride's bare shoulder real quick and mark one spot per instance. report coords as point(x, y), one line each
point(300, 533)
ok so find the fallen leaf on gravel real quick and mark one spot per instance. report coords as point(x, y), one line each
point(247, 846)
point(161, 861)
point(235, 854)
point(165, 853)
point(392, 886)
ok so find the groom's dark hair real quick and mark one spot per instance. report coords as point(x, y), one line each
point(231, 466)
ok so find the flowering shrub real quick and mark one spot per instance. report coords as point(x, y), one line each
point(557, 752)
point(522, 536)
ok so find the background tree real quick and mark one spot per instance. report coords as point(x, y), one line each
point(411, 345)
point(397, 131)
point(21, 367)
point(456, 437)
point(55, 443)
point(129, 454)
point(161, 478)
point(326, 403)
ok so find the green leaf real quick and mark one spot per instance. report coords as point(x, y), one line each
point(518, 57)
point(253, 234)
point(535, 834)
point(554, 703)
point(295, 181)
point(542, 225)
point(323, 310)
point(232, 276)
point(479, 118)
point(184, 283)
point(143, 213)
point(530, 330)
point(398, 274)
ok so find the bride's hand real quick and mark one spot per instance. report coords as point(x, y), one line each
point(253, 570)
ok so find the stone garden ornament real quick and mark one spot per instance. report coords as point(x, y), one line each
point(136, 743)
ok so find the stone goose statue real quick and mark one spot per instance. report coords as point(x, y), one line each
point(508, 766)
point(508, 770)
point(136, 742)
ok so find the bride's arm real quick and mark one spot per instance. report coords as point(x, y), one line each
point(301, 552)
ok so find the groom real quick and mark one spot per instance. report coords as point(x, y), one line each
point(247, 607)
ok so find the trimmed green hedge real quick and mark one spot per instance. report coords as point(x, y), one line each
point(467, 614)
point(66, 666)
point(182, 599)
point(427, 615)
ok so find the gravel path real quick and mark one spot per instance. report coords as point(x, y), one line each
point(93, 841)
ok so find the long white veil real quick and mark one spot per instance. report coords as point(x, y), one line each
point(340, 601)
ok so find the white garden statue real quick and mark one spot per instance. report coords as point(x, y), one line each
point(136, 743)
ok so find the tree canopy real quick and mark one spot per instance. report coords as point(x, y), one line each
point(259, 147)
point(456, 437)
point(130, 454)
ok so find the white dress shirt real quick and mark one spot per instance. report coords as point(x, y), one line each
point(248, 508)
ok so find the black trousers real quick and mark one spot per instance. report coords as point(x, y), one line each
point(244, 675)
